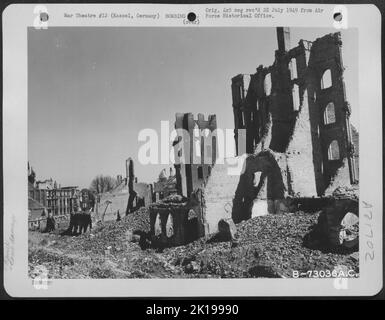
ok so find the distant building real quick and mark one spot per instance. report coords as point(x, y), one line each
point(165, 186)
point(127, 196)
point(62, 200)
point(56, 199)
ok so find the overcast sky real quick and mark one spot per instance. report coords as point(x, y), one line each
point(91, 90)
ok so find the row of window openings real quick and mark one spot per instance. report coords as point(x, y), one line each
point(329, 113)
point(326, 79)
point(59, 204)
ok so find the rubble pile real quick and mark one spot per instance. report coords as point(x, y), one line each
point(337, 228)
point(266, 246)
point(269, 246)
point(114, 234)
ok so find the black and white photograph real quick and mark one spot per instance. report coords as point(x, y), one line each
point(189, 151)
point(102, 201)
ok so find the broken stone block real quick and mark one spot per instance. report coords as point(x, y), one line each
point(349, 220)
point(349, 231)
point(227, 231)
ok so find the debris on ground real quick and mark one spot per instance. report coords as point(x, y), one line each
point(267, 246)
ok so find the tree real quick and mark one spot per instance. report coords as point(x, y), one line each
point(101, 184)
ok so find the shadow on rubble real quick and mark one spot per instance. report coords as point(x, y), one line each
point(262, 271)
point(315, 240)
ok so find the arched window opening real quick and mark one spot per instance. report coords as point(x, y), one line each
point(334, 151)
point(329, 114)
point(169, 226)
point(326, 80)
point(267, 84)
point(157, 226)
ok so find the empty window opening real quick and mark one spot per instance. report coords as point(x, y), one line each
point(170, 226)
point(293, 68)
point(267, 84)
point(296, 99)
point(200, 172)
point(157, 226)
point(257, 178)
point(246, 84)
point(334, 151)
point(329, 114)
point(197, 139)
point(326, 80)
point(241, 92)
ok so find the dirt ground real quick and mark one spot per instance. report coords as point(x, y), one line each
point(269, 246)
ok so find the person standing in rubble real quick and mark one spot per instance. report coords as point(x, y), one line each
point(50, 223)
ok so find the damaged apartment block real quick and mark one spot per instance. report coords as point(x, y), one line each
point(297, 125)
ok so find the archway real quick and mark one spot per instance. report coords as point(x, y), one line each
point(269, 187)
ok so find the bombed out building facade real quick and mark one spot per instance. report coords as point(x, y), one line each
point(298, 109)
point(296, 142)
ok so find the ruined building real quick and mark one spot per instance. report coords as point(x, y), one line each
point(126, 197)
point(51, 196)
point(179, 219)
point(297, 108)
point(195, 165)
point(299, 143)
point(165, 186)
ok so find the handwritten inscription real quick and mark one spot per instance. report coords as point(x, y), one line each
point(368, 231)
point(9, 256)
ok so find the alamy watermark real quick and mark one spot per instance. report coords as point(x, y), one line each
point(198, 146)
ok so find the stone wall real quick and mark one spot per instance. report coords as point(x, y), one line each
point(193, 171)
point(297, 106)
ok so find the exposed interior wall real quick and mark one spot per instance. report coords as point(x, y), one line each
point(299, 156)
point(219, 194)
